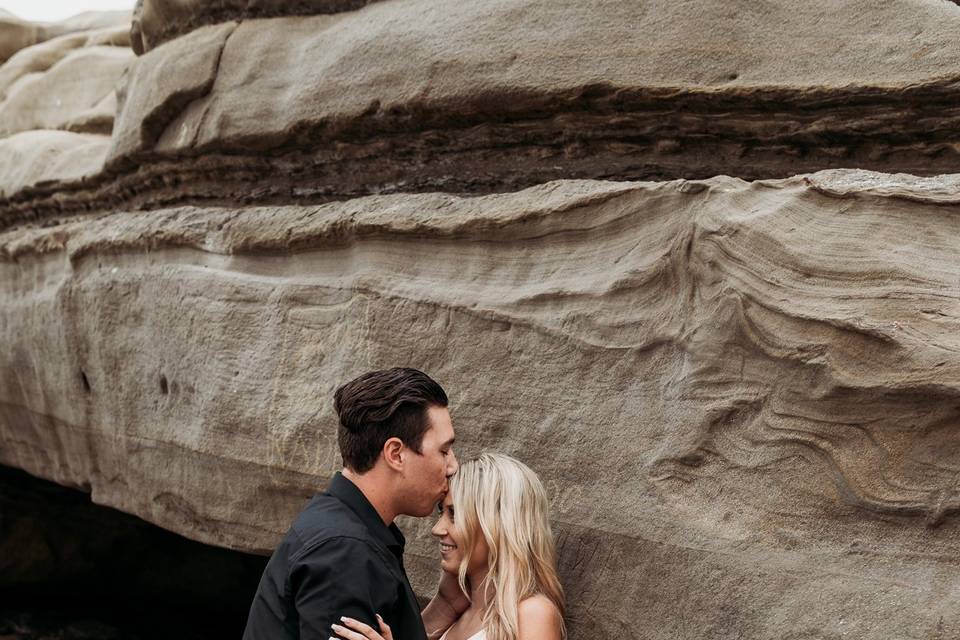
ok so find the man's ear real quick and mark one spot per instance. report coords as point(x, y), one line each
point(393, 451)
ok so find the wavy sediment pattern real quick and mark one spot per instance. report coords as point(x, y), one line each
point(743, 397)
point(745, 372)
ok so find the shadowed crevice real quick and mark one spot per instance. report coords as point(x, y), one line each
point(69, 568)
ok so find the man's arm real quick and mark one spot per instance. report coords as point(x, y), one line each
point(341, 577)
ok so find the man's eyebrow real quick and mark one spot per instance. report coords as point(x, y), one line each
point(449, 442)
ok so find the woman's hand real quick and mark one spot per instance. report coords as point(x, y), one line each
point(355, 630)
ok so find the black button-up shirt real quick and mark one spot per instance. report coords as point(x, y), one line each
point(338, 559)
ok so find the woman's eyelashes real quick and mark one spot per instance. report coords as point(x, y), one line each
point(448, 511)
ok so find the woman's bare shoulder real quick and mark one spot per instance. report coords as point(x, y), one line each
point(538, 617)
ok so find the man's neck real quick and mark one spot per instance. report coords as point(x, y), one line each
point(372, 486)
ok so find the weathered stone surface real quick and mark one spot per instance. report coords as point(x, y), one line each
point(75, 93)
point(37, 157)
point(742, 397)
point(57, 105)
point(40, 58)
point(156, 21)
point(165, 82)
point(86, 21)
point(16, 34)
point(464, 60)
point(419, 95)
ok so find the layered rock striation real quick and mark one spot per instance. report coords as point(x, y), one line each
point(418, 95)
point(728, 383)
point(743, 396)
point(58, 101)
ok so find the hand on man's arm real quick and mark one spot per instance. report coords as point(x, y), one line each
point(341, 577)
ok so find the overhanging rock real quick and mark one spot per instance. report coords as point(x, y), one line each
point(755, 382)
point(743, 396)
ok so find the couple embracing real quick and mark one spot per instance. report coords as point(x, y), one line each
point(339, 572)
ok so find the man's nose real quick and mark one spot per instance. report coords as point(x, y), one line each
point(453, 465)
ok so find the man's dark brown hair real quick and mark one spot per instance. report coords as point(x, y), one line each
point(379, 405)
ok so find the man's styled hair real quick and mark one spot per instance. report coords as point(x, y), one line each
point(379, 405)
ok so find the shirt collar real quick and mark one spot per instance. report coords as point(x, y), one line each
point(350, 494)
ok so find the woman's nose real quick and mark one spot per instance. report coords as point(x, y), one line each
point(437, 530)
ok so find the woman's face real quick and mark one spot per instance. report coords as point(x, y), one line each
point(451, 542)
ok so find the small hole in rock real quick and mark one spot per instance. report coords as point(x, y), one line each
point(164, 389)
point(84, 382)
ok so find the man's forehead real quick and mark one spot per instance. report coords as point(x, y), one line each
point(440, 423)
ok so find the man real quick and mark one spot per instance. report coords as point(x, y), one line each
point(343, 556)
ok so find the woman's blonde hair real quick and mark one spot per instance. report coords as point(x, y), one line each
point(503, 500)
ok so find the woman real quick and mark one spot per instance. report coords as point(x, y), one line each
point(495, 538)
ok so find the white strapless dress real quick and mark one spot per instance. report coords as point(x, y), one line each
point(479, 635)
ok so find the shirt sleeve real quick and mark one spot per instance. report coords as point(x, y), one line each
point(341, 577)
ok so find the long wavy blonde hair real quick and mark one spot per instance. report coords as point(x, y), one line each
point(503, 500)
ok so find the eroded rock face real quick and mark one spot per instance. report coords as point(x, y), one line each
point(76, 94)
point(156, 21)
point(743, 397)
point(17, 34)
point(420, 95)
point(34, 157)
point(58, 101)
point(739, 385)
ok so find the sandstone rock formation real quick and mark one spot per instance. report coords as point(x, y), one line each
point(17, 34)
point(58, 100)
point(420, 95)
point(743, 396)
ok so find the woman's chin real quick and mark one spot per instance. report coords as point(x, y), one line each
point(448, 566)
